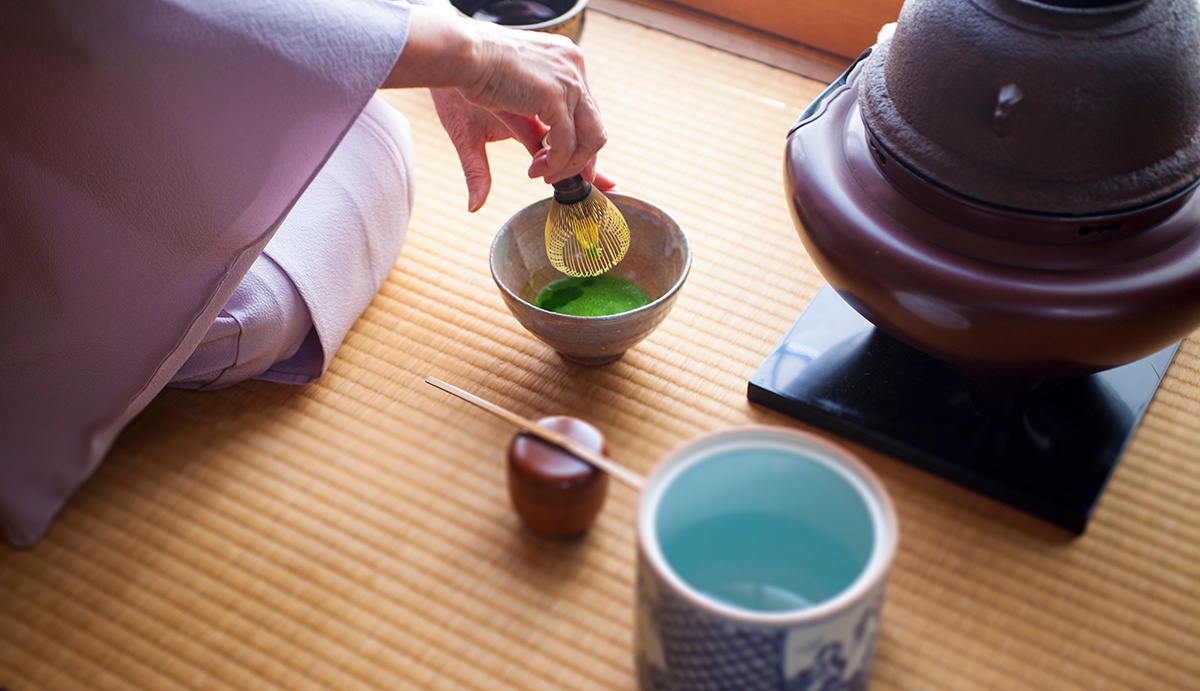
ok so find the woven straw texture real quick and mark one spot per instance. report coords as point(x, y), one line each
point(356, 533)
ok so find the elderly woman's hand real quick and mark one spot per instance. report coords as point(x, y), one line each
point(484, 76)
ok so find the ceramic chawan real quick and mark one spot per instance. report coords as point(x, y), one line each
point(658, 261)
point(1009, 185)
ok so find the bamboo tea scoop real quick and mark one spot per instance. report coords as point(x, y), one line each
point(600, 461)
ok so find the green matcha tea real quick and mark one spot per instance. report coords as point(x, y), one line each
point(594, 296)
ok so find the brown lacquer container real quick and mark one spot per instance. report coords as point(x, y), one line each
point(1009, 186)
point(553, 492)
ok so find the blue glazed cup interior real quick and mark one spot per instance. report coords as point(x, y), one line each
point(767, 522)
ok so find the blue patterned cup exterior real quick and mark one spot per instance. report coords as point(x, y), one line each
point(763, 553)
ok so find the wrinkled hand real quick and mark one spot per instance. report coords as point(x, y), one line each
point(491, 83)
point(531, 74)
point(471, 128)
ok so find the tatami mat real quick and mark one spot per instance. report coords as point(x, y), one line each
point(356, 534)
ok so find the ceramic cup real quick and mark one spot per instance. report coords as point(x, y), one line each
point(763, 554)
point(658, 261)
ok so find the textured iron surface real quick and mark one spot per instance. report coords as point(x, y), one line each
point(1071, 108)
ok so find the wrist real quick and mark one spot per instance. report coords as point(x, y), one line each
point(443, 49)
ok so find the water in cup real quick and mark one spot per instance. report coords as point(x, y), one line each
point(762, 561)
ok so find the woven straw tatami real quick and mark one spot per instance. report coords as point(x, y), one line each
point(356, 533)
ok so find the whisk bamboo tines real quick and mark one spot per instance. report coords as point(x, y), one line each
point(586, 234)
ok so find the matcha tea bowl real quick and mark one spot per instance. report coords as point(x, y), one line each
point(592, 321)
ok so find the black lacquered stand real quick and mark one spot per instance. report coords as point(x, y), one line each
point(1051, 457)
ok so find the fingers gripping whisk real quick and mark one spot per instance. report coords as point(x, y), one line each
point(586, 234)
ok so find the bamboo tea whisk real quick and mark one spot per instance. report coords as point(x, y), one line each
point(586, 234)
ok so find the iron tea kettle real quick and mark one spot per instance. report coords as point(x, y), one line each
point(1009, 185)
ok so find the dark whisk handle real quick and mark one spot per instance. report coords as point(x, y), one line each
point(571, 190)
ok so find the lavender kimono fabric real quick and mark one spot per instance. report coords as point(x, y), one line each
point(149, 151)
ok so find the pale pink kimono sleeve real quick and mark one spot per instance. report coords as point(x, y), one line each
point(148, 152)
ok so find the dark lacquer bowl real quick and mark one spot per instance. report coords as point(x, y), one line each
point(564, 17)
